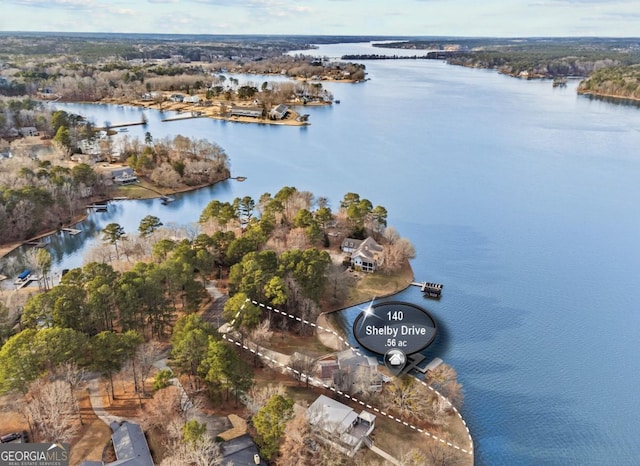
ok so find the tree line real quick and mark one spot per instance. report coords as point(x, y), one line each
point(620, 81)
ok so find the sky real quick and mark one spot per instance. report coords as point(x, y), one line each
point(495, 18)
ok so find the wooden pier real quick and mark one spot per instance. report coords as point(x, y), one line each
point(432, 290)
point(71, 231)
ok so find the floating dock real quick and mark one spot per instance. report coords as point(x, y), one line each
point(167, 199)
point(432, 290)
point(71, 231)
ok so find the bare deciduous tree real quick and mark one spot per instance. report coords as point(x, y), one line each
point(257, 396)
point(202, 452)
point(52, 408)
point(298, 446)
point(74, 376)
point(303, 367)
point(445, 379)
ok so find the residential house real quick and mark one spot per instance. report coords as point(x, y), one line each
point(147, 96)
point(192, 99)
point(29, 131)
point(367, 255)
point(123, 175)
point(130, 446)
point(176, 98)
point(325, 369)
point(350, 244)
point(254, 112)
point(241, 451)
point(278, 112)
point(357, 373)
point(339, 425)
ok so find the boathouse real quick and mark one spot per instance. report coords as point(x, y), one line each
point(253, 112)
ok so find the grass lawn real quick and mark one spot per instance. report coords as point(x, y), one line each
point(376, 285)
point(140, 190)
point(289, 343)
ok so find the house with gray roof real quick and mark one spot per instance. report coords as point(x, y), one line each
point(123, 175)
point(130, 446)
point(241, 451)
point(339, 425)
point(357, 373)
point(254, 112)
point(278, 112)
point(366, 256)
point(29, 131)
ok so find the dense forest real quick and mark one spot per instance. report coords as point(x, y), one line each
point(533, 57)
point(89, 69)
point(619, 81)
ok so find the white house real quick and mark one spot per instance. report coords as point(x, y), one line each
point(278, 112)
point(192, 99)
point(367, 255)
point(29, 131)
point(339, 425)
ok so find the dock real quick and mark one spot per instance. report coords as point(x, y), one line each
point(99, 207)
point(432, 290)
point(36, 244)
point(167, 199)
point(25, 282)
point(435, 362)
point(71, 231)
point(185, 117)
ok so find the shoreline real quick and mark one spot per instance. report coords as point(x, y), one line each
point(8, 248)
point(608, 96)
point(194, 110)
point(336, 336)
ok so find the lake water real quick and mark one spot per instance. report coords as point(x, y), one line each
point(520, 198)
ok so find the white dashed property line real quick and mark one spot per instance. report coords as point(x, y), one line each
point(470, 451)
point(311, 379)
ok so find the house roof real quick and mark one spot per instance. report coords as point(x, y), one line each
point(368, 250)
point(327, 368)
point(240, 451)
point(351, 243)
point(331, 415)
point(131, 446)
point(120, 172)
point(280, 108)
point(349, 359)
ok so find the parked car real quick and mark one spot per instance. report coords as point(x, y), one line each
point(10, 437)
